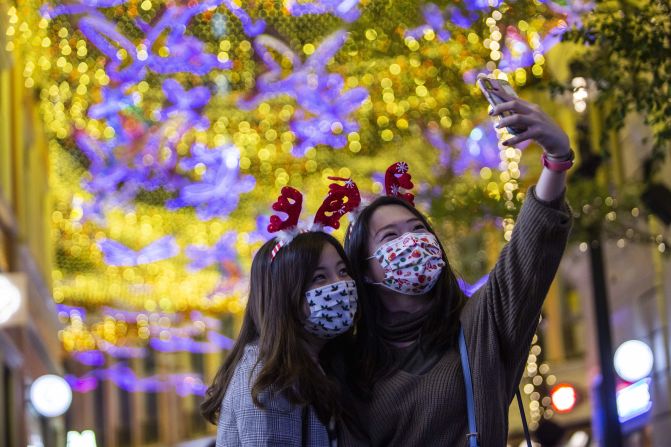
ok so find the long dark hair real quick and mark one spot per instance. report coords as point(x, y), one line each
point(441, 327)
point(274, 319)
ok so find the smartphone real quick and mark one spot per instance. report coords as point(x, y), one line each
point(486, 85)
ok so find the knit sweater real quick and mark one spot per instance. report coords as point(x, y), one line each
point(427, 406)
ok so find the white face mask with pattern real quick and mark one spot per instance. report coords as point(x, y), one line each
point(332, 309)
point(412, 263)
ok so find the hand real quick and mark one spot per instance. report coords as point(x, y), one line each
point(536, 124)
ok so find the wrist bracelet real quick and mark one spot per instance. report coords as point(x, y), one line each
point(558, 165)
point(570, 155)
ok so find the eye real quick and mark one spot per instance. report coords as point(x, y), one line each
point(343, 273)
point(318, 278)
point(419, 227)
point(387, 235)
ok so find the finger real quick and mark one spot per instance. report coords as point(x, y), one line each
point(516, 105)
point(496, 87)
point(503, 94)
point(524, 136)
point(516, 120)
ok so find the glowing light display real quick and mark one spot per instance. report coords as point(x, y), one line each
point(171, 124)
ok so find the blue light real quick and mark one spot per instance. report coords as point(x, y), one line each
point(634, 400)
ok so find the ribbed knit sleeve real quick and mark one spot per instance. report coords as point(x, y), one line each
point(513, 296)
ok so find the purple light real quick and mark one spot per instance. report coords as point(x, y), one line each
point(105, 36)
point(481, 5)
point(261, 233)
point(188, 103)
point(331, 108)
point(114, 101)
point(186, 52)
point(103, 3)
point(218, 192)
point(470, 289)
point(573, 10)
point(251, 28)
point(123, 352)
point(216, 343)
point(203, 257)
point(210, 322)
point(111, 183)
point(345, 9)
point(271, 83)
point(517, 54)
point(324, 117)
point(70, 310)
point(433, 16)
point(460, 19)
point(90, 358)
point(117, 254)
point(478, 151)
point(221, 341)
point(131, 316)
point(81, 384)
point(124, 377)
point(186, 384)
point(156, 330)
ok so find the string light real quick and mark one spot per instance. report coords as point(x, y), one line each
point(94, 93)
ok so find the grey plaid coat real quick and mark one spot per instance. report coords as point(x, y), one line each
point(241, 423)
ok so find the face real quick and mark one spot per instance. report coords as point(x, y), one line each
point(331, 269)
point(386, 224)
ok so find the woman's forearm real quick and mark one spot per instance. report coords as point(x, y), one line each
point(551, 185)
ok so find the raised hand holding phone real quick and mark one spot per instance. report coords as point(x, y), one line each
point(530, 122)
point(490, 88)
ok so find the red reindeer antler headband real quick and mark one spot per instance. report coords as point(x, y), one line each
point(329, 214)
point(335, 205)
point(397, 177)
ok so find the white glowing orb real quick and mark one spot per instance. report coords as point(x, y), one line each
point(10, 299)
point(87, 438)
point(51, 395)
point(578, 439)
point(633, 360)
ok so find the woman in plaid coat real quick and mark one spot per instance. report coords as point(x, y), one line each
point(271, 390)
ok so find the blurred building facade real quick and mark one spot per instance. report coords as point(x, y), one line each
point(636, 267)
point(29, 340)
point(636, 273)
point(29, 345)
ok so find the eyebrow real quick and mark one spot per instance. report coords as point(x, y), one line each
point(392, 225)
point(338, 264)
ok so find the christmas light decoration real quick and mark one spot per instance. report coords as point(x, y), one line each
point(172, 124)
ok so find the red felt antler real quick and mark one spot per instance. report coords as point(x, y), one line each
point(334, 207)
point(292, 209)
point(397, 177)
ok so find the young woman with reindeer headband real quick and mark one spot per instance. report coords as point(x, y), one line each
point(431, 367)
point(271, 389)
